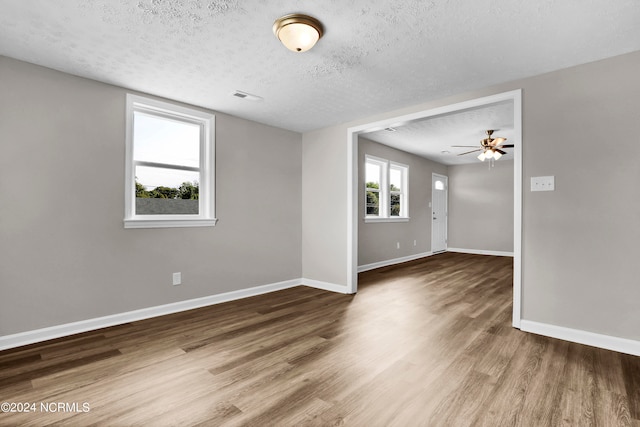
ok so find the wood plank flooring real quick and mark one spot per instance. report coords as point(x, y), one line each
point(425, 343)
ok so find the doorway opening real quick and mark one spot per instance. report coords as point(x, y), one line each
point(515, 98)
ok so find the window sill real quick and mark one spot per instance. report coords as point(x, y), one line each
point(392, 219)
point(169, 223)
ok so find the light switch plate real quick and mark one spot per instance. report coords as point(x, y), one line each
point(543, 183)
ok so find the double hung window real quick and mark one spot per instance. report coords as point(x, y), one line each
point(169, 165)
point(386, 190)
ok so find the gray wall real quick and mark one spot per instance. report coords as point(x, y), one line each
point(378, 241)
point(580, 243)
point(324, 229)
point(481, 206)
point(64, 253)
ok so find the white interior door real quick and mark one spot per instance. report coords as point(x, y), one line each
point(439, 189)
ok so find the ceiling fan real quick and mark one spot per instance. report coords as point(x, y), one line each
point(491, 147)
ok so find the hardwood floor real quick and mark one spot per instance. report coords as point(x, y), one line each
point(426, 343)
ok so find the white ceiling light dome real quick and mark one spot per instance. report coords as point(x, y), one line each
point(298, 33)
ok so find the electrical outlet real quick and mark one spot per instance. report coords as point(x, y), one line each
point(177, 279)
point(398, 245)
point(415, 242)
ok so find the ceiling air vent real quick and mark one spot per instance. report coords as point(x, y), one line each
point(244, 95)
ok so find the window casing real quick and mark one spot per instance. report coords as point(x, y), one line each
point(374, 183)
point(169, 171)
point(386, 190)
point(398, 190)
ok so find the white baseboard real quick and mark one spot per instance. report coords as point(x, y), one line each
point(394, 261)
point(607, 342)
point(480, 252)
point(44, 334)
point(326, 286)
point(38, 335)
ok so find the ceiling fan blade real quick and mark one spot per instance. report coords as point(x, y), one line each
point(472, 151)
point(500, 151)
point(506, 146)
point(464, 146)
point(498, 141)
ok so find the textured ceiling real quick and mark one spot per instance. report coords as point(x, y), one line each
point(431, 136)
point(376, 55)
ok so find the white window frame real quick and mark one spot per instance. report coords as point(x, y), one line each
point(384, 212)
point(206, 200)
point(404, 199)
point(382, 179)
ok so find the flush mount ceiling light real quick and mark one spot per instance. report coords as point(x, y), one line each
point(298, 33)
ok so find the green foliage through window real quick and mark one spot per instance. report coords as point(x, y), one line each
point(186, 190)
point(395, 205)
point(373, 199)
point(395, 201)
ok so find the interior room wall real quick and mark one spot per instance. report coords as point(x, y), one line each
point(324, 229)
point(64, 253)
point(580, 242)
point(377, 242)
point(481, 206)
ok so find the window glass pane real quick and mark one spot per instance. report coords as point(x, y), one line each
point(439, 185)
point(373, 203)
point(395, 205)
point(162, 140)
point(166, 191)
point(372, 175)
point(395, 179)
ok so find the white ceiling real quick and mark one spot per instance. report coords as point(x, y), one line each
point(376, 55)
point(434, 137)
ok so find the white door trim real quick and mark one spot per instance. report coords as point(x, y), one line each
point(444, 178)
point(352, 184)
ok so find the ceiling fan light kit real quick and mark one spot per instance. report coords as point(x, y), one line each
point(491, 148)
point(297, 32)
